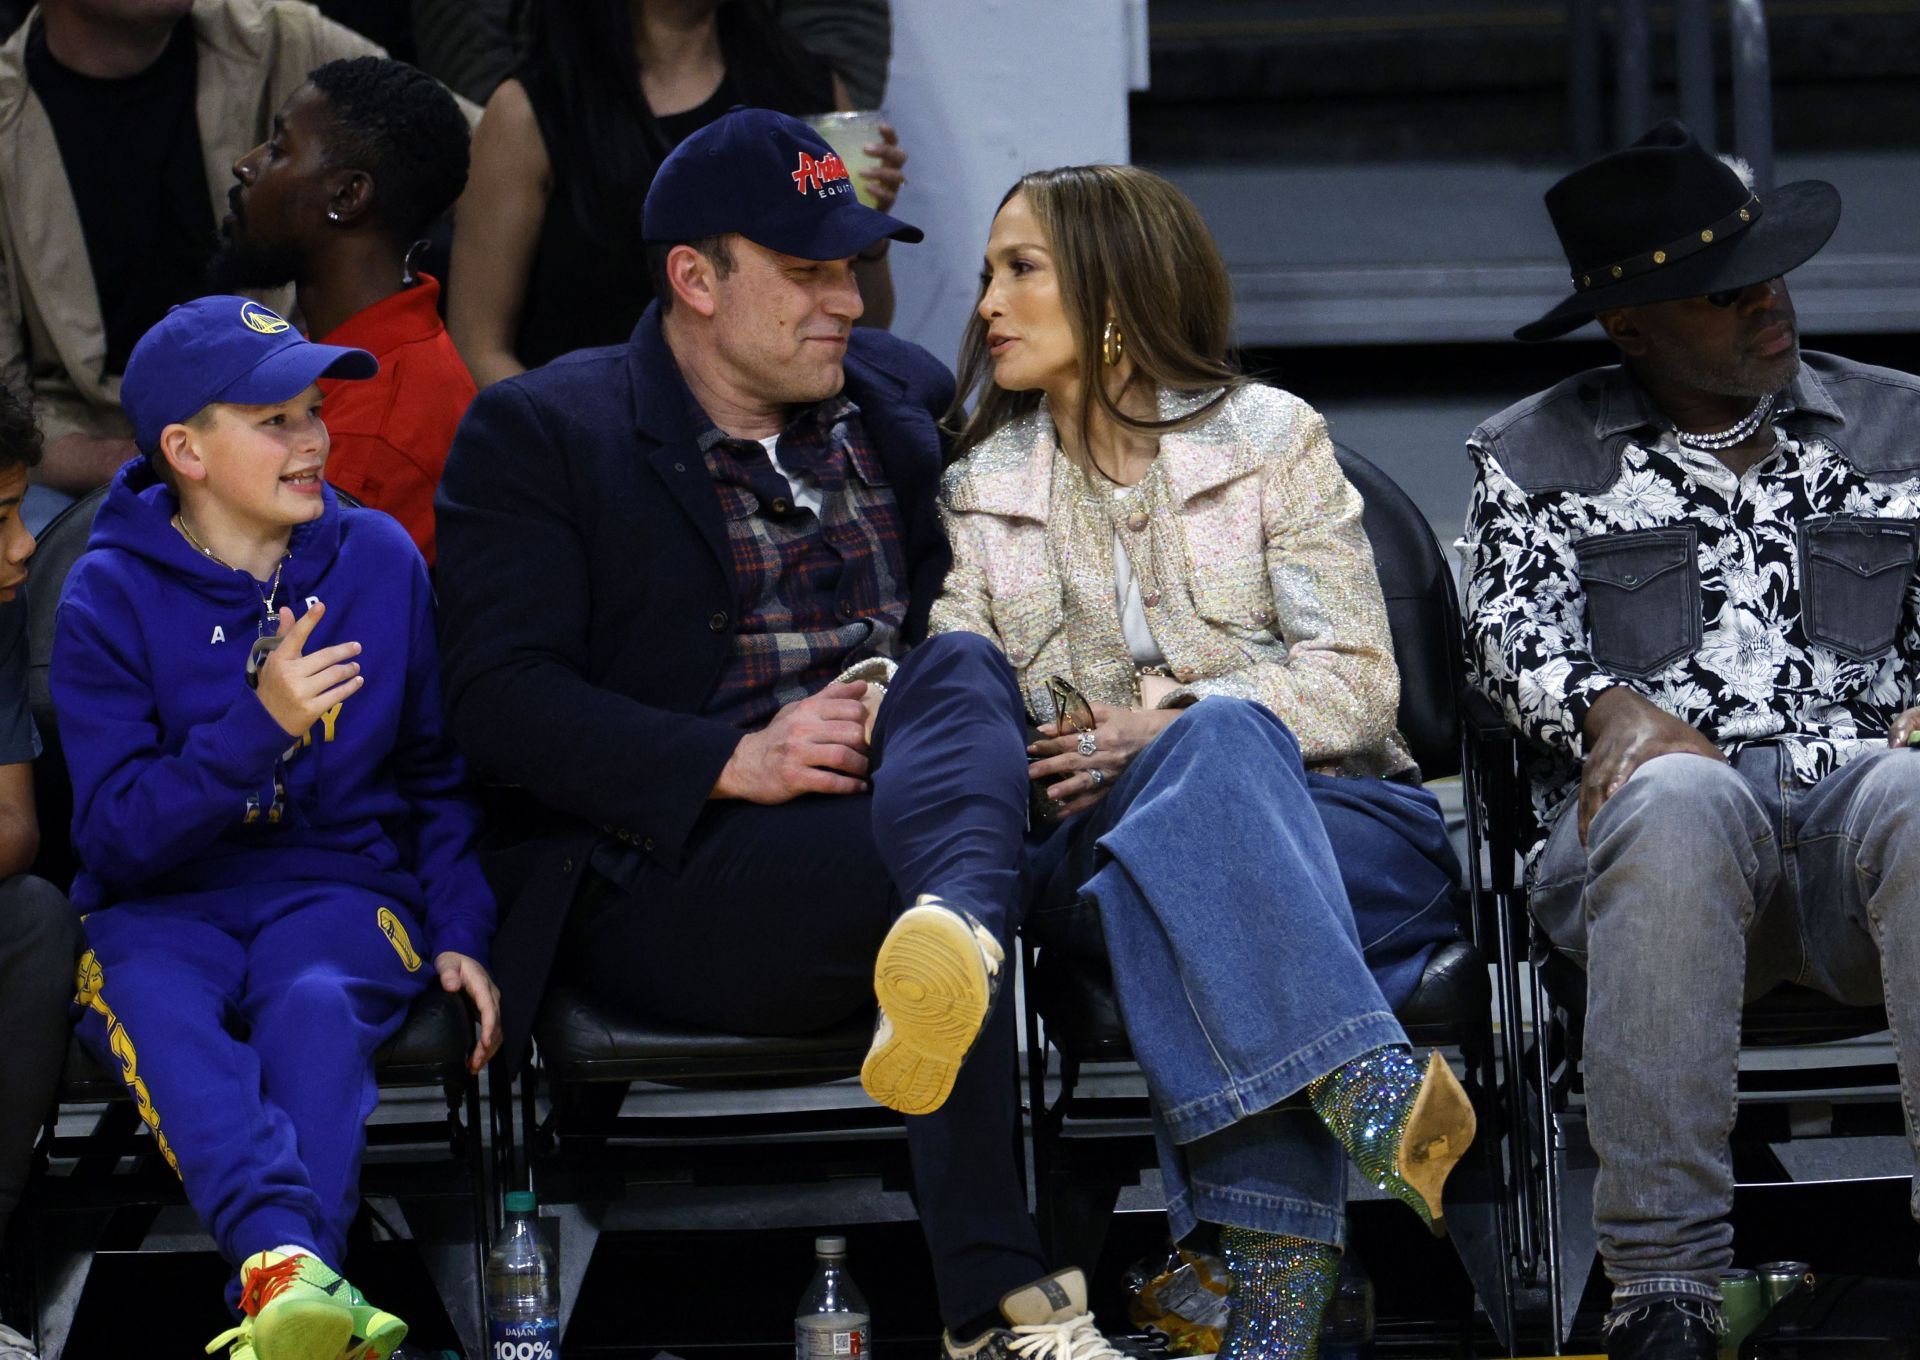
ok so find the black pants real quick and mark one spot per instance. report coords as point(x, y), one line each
point(772, 924)
point(39, 941)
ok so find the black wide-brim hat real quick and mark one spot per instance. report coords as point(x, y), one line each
point(1666, 218)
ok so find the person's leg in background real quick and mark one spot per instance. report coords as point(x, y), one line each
point(40, 939)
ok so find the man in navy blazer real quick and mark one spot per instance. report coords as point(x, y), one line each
point(657, 564)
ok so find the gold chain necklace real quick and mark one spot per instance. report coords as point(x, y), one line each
point(273, 589)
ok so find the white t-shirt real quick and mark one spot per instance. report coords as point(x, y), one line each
point(806, 488)
point(1133, 610)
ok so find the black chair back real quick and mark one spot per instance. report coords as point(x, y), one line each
point(59, 548)
point(1422, 611)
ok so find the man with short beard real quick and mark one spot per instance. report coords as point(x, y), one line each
point(1691, 587)
point(359, 164)
point(676, 576)
point(111, 111)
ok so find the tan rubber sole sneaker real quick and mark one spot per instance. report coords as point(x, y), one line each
point(1437, 1135)
point(935, 986)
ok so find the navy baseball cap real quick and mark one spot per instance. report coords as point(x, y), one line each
point(773, 180)
point(224, 348)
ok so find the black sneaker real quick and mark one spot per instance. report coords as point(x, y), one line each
point(1047, 1320)
point(1666, 1329)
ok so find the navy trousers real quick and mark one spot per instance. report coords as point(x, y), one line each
point(244, 1021)
point(772, 923)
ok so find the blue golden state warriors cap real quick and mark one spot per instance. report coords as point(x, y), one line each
point(773, 180)
point(224, 348)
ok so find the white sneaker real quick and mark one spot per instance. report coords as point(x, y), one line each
point(14, 1346)
point(936, 976)
point(1048, 1320)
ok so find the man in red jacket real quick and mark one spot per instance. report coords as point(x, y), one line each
point(362, 160)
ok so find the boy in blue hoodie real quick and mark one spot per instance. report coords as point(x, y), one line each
point(267, 810)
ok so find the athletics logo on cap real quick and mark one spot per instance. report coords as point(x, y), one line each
point(264, 319)
point(822, 175)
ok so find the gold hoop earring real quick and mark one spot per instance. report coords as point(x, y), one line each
point(1112, 344)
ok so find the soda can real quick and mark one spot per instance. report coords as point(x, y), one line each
point(1743, 1302)
point(1780, 1278)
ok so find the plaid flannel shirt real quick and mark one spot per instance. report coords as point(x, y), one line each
point(813, 594)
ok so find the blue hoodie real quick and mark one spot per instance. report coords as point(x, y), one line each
point(174, 758)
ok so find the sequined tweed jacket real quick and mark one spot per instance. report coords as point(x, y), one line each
point(1245, 537)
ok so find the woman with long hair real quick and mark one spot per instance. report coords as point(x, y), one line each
point(547, 255)
point(1173, 566)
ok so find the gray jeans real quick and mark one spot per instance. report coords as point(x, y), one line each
point(1704, 885)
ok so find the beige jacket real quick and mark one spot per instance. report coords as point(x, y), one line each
point(1256, 575)
point(253, 54)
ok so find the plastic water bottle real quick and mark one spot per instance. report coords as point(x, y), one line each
point(523, 1289)
point(832, 1320)
point(1347, 1332)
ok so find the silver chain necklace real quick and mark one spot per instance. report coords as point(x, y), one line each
point(1734, 434)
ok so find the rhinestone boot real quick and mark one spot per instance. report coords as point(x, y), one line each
point(1403, 1128)
point(1279, 1294)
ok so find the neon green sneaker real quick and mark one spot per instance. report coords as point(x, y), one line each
point(377, 1334)
point(241, 1347)
point(294, 1308)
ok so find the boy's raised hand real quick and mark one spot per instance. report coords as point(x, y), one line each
point(461, 973)
point(297, 686)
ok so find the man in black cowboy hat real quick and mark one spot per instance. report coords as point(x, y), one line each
point(1692, 588)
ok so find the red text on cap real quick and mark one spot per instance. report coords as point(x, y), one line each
point(818, 174)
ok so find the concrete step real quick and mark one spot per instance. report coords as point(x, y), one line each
point(1453, 252)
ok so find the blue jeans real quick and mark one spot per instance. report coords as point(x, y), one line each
point(1257, 940)
point(1703, 885)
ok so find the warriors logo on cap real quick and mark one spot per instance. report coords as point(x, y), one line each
point(264, 319)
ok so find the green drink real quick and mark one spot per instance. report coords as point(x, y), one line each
point(849, 134)
point(1781, 1278)
point(1743, 1302)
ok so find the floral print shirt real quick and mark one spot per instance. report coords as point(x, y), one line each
point(1779, 606)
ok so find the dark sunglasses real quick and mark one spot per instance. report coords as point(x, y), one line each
point(1070, 704)
point(1726, 297)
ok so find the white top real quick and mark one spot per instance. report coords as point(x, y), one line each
point(806, 488)
point(1133, 611)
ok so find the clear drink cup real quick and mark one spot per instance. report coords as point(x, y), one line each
point(849, 134)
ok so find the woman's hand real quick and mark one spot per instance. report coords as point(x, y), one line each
point(461, 973)
point(1119, 734)
point(888, 178)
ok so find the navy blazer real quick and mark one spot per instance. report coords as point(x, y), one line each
point(586, 607)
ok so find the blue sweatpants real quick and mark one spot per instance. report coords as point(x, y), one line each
point(245, 1022)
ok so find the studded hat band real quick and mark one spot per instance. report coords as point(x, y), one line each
point(1732, 224)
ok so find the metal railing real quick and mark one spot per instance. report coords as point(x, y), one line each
point(1694, 63)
